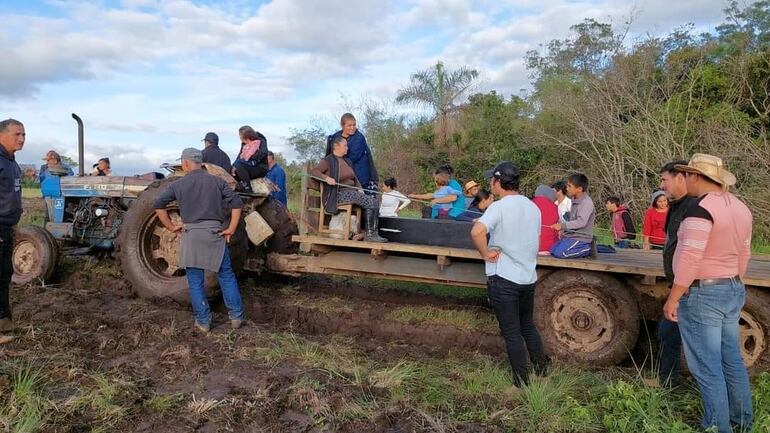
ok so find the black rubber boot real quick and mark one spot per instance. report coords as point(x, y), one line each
point(594, 252)
point(371, 222)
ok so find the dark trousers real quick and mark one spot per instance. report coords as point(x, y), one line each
point(246, 172)
point(514, 304)
point(670, 343)
point(6, 270)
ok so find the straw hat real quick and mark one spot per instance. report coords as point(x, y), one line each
point(711, 167)
point(470, 185)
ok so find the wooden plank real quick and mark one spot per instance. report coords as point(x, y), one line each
point(622, 262)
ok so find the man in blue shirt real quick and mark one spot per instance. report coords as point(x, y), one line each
point(277, 175)
point(53, 164)
point(510, 255)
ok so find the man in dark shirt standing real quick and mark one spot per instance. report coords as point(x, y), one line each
point(12, 136)
point(672, 181)
point(212, 154)
point(204, 243)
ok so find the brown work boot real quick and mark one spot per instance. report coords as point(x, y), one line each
point(6, 325)
point(236, 323)
point(203, 328)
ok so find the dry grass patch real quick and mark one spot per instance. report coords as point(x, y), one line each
point(475, 320)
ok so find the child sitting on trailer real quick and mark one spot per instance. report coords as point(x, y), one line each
point(442, 198)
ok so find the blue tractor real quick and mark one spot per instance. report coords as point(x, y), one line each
point(115, 215)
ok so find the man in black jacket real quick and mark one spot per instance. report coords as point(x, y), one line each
point(672, 181)
point(212, 154)
point(12, 136)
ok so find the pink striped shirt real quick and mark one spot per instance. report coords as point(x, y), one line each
point(714, 240)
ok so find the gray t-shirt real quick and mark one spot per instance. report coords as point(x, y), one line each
point(513, 223)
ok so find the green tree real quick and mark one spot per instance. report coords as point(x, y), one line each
point(440, 90)
point(309, 143)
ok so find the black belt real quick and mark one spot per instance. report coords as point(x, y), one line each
point(715, 281)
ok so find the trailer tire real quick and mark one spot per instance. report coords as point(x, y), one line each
point(586, 317)
point(35, 255)
point(754, 326)
point(283, 224)
point(148, 253)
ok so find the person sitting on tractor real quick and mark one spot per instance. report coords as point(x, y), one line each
point(102, 168)
point(252, 160)
point(53, 165)
point(337, 171)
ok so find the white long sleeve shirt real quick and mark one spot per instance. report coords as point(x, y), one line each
point(393, 202)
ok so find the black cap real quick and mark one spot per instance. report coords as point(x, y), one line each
point(504, 171)
point(211, 138)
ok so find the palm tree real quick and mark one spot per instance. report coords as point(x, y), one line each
point(439, 90)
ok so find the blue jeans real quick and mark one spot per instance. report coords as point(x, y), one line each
point(228, 284)
point(623, 243)
point(708, 321)
point(670, 343)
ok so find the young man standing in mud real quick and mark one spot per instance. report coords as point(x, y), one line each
point(513, 225)
point(12, 136)
point(204, 241)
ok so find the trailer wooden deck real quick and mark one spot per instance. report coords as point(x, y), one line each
point(634, 262)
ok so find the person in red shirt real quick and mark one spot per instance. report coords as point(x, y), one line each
point(544, 199)
point(654, 228)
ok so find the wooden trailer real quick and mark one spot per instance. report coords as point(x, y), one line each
point(588, 311)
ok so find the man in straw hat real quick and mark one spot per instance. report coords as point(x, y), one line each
point(707, 295)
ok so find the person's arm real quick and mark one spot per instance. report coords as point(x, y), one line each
point(693, 237)
point(261, 153)
point(235, 218)
point(744, 255)
point(426, 196)
point(160, 204)
point(320, 172)
point(446, 199)
point(479, 232)
point(404, 201)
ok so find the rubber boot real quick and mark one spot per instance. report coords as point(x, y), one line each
point(594, 252)
point(372, 221)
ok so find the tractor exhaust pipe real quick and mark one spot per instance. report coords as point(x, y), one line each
point(81, 161)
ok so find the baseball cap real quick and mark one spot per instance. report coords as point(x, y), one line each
point(192, 154)
point(211, 138)
point(504, 171)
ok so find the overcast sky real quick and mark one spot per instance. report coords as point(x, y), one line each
point(150, 77)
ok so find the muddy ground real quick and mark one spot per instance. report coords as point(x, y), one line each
point(92, 336)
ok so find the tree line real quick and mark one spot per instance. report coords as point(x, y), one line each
point(612, 109)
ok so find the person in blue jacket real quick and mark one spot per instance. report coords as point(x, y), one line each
point(358, 153)
point(277, 175)
point(53, 163)
point(458, 206)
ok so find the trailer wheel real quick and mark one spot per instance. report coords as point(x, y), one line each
point(754, 323)
point(149, 254)
point(35, 255)
point(586, 317)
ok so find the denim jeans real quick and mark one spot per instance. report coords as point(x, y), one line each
point(513, 305)
point(708, 321)
point(228, 284)
point(670, 343)
point(623, 243)
point(6, 270)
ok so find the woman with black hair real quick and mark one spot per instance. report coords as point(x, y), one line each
point(336, 170)
point(392, 201)
point(480, 203)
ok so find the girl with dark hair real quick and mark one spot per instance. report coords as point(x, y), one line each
point(392, 200)
point(480, 203)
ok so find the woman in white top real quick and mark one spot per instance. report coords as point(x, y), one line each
point(392, 200)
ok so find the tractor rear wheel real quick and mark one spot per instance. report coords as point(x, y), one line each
point(149, 254)
point(35, 255)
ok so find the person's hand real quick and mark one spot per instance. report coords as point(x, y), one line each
point(433, 202)
point(331, 181)
point(173, 228)
point(556, 226)
point(670, 310)
point(492, 256)
point(227, 234)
